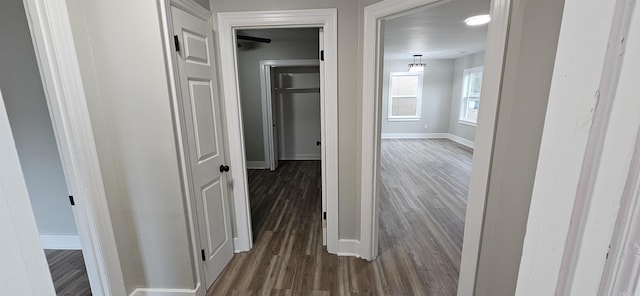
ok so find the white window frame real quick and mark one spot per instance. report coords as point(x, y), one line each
point(463, 97)
point(418, 116)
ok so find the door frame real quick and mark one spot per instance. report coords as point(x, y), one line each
point(228, 23)
point(267, 113)
point(582, 229)
point(372, 88)
point(60, 73)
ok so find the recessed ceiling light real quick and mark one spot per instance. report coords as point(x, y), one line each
point(478, 20)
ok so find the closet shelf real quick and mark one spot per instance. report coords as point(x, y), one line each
point(299, 90)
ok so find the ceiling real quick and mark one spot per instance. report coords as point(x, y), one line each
point(437, 31)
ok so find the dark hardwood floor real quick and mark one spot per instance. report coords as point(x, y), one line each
point(424, 186)
point(68, 272)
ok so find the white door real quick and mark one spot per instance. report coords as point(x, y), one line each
point(322, 131)
point(201, 113)
point(273, 120)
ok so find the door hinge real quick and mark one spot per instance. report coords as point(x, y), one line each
point(322, 55)
point(324, 215)
point(73, 202)
point(204, 258)
point(176, 41)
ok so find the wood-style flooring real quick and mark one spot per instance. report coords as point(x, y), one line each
point(68, 272)
point(424, 186)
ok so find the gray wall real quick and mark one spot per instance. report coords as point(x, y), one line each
point(442, 91)
point(456, 128)
point(436, 96)
point(300, 44)
point(523, 103)
point(350, 31)
point(298, 113)
point(122, 63)
point(31, 125)
point(143, 187)
point(205, 3)
point(124, 76)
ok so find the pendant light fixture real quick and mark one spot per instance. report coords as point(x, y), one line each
point(417, 67)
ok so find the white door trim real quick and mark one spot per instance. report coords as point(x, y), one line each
point(60, 72)
point(227, 24)
point(587, 173)
point(267, 114)
point(622, 268)
point(372, 62)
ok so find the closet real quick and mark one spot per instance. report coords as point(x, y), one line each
point(296, 105)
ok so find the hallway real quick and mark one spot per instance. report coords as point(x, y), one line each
point(420, 239)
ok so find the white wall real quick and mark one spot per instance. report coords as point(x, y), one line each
point(300, 44)
point(121, 57)
point(31, 124)
point(298, 113)
point(455, 127)
point(522, 108)
point(436, 96)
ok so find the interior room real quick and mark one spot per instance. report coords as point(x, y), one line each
point(281, 119)
point(32, 130)
point(282, 132)
point(432, 76)
point(552, 207)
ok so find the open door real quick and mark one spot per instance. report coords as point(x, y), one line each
point(273, 121)
point(322, 133)
point(205, 153)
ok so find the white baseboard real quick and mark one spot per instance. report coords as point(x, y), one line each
point(349, 247)
point(239, 246)
point(256, 165)
point(414, 135)
point(163, 292)
point(167, 292)
point(461, 140)
point(302, 157)
point(61, 242)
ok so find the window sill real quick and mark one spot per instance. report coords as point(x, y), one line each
point(404, 119)
point(465, 122)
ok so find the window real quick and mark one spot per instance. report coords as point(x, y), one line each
point(471, 88)
point(405, 96)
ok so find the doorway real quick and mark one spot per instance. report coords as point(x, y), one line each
point(25, 101)
point(229, 25)
point(282, 79)
point(283, 116)
point(431, 88)
point(375, 18)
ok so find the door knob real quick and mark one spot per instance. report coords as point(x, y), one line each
point(224, 168)
point(318, 143)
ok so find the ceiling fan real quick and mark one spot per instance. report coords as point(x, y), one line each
point(252, 39)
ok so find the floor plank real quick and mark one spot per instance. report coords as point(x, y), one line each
point(424, 186)
point(68, 272)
